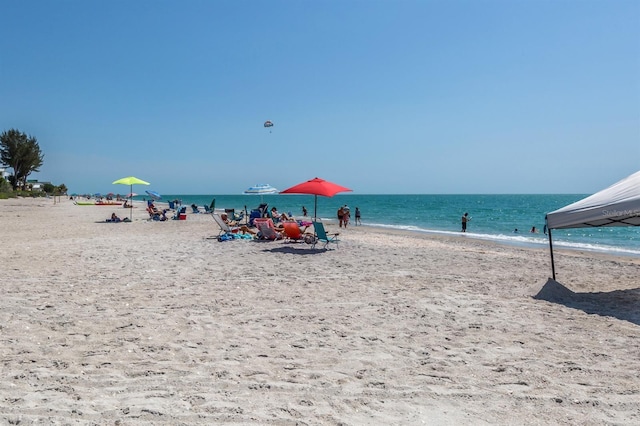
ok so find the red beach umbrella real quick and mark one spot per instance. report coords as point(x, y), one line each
point(316, 186)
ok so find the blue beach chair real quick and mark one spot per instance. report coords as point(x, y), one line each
point(321, 236)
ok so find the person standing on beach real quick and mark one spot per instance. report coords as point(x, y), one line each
point(346, 215)
point(358, 216)
point(465, 219)
point(340, 214)
point(304, 211)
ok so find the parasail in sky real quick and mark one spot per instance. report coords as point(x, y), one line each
point(268, 123)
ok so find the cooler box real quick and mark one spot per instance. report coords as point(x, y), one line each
point(182, 216)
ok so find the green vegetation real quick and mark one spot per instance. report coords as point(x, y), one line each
point(22, 153)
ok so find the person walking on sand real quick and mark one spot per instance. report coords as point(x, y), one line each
point(358, 222)
point(340, 214)
point(465, 219)
point(346, 215)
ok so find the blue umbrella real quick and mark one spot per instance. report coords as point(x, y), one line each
point(154, 195)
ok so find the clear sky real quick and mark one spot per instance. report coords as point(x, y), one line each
point(406, 96)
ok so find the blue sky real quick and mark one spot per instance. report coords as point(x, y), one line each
point(466, 96)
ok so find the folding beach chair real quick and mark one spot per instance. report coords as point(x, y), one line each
point(267, 229)
point(321, 236)
point(293, 233)
point(231, 214)
point(224, 227)
point(258, 212)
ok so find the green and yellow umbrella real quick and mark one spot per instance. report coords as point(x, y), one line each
point(130, 180)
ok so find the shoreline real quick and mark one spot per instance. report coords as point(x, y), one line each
point(521, 239)
point(141, 216)
point(158, 322)
point(612, 252)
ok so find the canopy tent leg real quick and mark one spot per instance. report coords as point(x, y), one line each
point(553, 266)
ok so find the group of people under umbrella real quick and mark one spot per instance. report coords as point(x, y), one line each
point(315, 187)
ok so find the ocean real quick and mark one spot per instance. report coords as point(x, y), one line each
point(493, 217)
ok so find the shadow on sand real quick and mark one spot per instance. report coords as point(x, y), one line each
point(621, 304)
point(301, 249)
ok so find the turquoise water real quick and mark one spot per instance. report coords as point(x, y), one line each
point(493, 217)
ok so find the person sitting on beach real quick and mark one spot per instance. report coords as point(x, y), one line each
point(160, 215)
point(267, 233)
point(155, 214)
point(126, 204)
point(114, 218)
point(303, 226)
point(242, 228)
point(225, 218)
point(268, 230)
point(278, 216)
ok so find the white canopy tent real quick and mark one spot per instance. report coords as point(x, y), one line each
point(617, 205)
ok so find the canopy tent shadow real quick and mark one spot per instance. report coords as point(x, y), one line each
point(620, 304)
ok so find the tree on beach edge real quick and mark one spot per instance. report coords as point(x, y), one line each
point(22, 153)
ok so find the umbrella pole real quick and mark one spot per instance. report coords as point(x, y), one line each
point(553, 266)
point(315, 208)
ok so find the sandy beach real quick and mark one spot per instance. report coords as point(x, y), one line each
point(149, 323)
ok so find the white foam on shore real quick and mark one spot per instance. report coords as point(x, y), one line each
point(520, 240)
